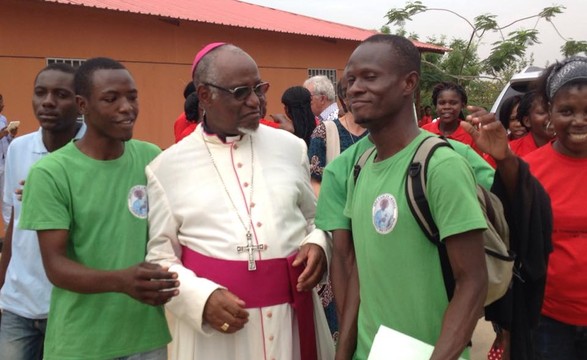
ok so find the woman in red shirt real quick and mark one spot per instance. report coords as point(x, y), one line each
point(561, 168)
point(426, 117)
point(449, 99)
point(533, 114)
point(508, 115)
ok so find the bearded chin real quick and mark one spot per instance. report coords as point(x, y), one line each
point(247, 131)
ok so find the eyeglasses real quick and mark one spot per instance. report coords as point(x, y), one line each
point(240, 93)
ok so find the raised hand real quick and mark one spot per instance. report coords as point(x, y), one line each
point(487, 132)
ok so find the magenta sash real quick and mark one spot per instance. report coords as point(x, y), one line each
point(273, 283)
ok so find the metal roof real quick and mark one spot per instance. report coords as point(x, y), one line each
point(239, 14)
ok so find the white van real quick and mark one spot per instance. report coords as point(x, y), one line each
point(519, 84)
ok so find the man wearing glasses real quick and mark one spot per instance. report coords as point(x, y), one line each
point(323, 97)
point(243, 241)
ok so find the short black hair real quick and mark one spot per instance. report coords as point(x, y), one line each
point(526, 103)
point(447, 85)
point(406, 54)
point(63, 67)
point(505, 112)
point(83, 76)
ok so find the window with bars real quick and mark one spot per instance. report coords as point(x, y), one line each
point(73, 62)
point(329, 73)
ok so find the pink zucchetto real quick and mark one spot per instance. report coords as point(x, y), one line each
point(205, 50)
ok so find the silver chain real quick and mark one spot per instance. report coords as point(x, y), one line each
point(248, 207)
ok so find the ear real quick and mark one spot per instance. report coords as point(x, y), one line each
point(82, 104)
point(526, 122)
point(204, 95)
point(411, 81)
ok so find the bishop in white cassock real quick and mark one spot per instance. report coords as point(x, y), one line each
point(229, 205)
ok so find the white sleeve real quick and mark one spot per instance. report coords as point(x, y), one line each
point(164, 249)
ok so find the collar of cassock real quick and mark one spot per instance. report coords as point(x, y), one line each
point(225, 140)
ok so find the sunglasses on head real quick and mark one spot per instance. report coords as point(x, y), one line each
point(242, 92)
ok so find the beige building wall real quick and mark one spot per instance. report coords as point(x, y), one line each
point(157, 51)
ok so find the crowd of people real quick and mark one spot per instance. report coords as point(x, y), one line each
point(259, 236)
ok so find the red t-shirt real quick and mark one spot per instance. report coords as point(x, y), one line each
point(188, 130)
point(563, 177)
point(459, 135)
point(426, 119)
point(524, 145)
point(273, 124)
point(179, 126)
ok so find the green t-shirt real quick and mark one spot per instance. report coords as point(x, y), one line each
point(400, 277)
point(332, 199)
point(103, 204)
point(333, 189)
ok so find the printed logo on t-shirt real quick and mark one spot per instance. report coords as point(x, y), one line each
point(384, 213)
point(137, 201)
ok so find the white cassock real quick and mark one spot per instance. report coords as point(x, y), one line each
point(189, 207)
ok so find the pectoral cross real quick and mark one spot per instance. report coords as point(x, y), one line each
point(250, 248)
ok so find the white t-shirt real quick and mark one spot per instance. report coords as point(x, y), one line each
point(26, 291)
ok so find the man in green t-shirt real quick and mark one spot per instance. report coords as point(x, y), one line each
point(397, 267)
point(87, 202)
point(330, 208)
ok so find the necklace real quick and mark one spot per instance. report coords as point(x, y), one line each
point(250, 248)
point(346, 126)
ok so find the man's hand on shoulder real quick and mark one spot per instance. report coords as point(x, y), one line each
point(315, 259)
point(149, 283)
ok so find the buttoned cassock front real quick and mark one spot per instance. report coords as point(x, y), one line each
point(189, 206)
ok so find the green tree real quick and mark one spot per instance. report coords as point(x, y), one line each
point(572, 47)
point(483, 78)
point(505, 53)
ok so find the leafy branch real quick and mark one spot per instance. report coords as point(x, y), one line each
point(505, 53)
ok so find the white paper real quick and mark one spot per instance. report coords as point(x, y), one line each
point(390, 344)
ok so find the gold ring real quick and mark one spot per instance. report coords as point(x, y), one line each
point(225, 327)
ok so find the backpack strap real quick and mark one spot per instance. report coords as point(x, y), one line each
point(416, 193)
point(332, 141)
point(361, 162)
point(416, 186)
